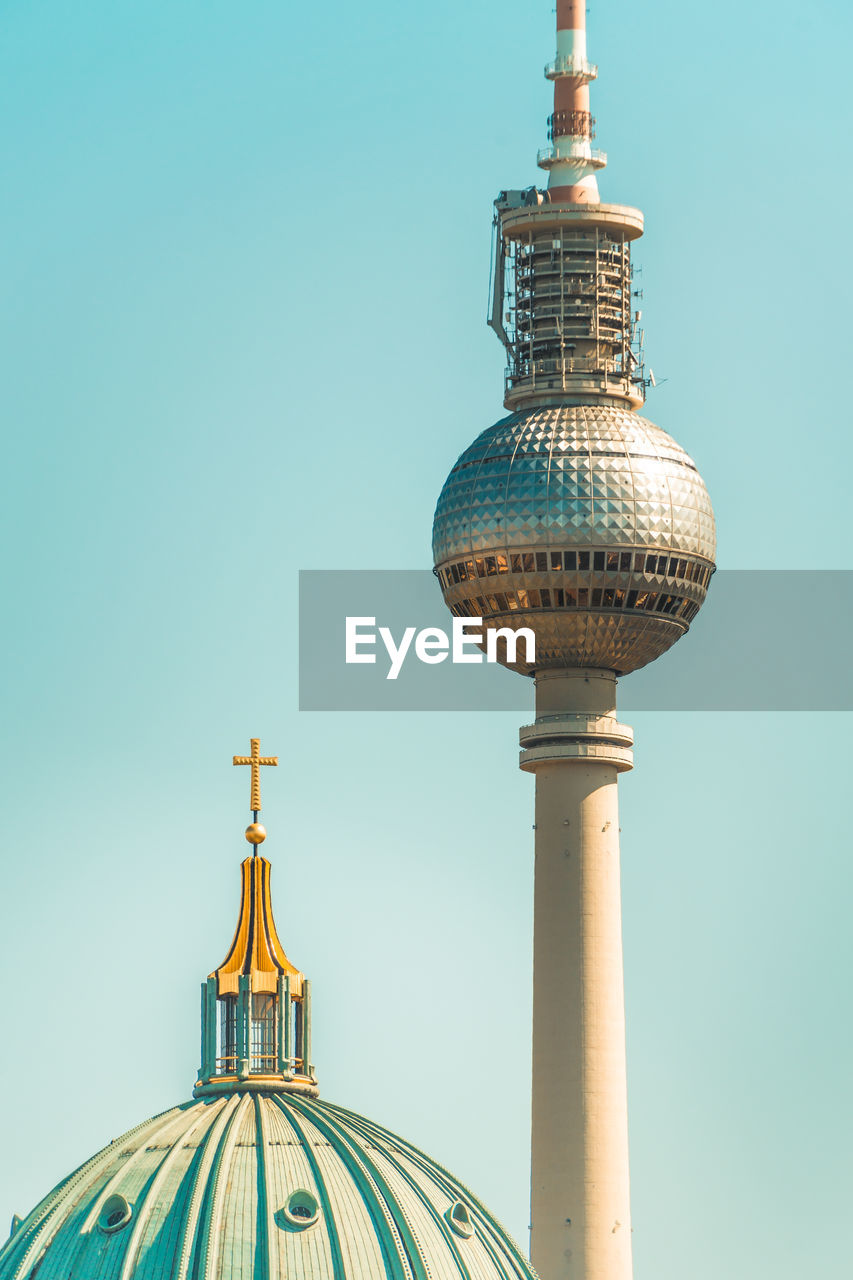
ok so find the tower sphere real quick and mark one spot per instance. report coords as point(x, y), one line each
point(584, 522)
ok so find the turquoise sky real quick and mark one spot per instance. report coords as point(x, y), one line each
point(245, 264)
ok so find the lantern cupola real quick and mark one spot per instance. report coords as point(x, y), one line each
point(256, 1005)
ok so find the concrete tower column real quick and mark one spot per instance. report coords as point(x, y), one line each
point(581, 1225)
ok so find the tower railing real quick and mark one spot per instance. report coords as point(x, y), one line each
point(570, 64)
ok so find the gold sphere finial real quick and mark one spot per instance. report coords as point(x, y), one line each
point(255, 833)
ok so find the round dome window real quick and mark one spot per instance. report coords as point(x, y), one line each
point(459, 1217)
point(301, 1209)
point(115, 1214)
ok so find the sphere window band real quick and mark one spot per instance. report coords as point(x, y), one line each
point(682, 568)
point(583, 599)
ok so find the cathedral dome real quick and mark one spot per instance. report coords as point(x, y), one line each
point(587, 524)
point(258, 1184)
point(257, 1178)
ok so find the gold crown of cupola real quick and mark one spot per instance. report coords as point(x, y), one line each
point(256, 950)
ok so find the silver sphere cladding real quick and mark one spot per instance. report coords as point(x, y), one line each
point(586, 523)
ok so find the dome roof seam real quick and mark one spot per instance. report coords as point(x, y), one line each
point(146, 1202)
point(266, 1209)
point(221, 1110)
point(319, 1181)
point(210, 1236)
point(134, 1156)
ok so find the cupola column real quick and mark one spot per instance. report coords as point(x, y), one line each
point(208, 1027)
point(306, 1029)
point(244, 998)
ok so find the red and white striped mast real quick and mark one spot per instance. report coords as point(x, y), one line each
point(570, 158)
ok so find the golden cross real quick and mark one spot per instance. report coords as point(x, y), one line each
point(255, 760)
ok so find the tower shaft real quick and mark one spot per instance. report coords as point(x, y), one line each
point(580, 1209)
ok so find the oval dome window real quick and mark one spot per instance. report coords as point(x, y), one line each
point(115, 1214)
point(301, 1209)
point(459, 1217)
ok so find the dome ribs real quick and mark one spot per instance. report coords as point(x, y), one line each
point(147, 1204)
point(496, 1236)
point(434, 1219)
point(383, 1205)
point(201, 1181)
point(266, 1207)
point(210, 1222)
point(406, 1236)
point(38, 1230)
point(339, 1269)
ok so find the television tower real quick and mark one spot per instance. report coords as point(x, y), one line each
point(578, 518)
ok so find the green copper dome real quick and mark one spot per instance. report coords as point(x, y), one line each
point(260, 1186)
point(256, 1178)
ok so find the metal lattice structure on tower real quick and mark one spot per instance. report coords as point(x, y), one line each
point(562, 286)
point(584, 522)
point(562, 302)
